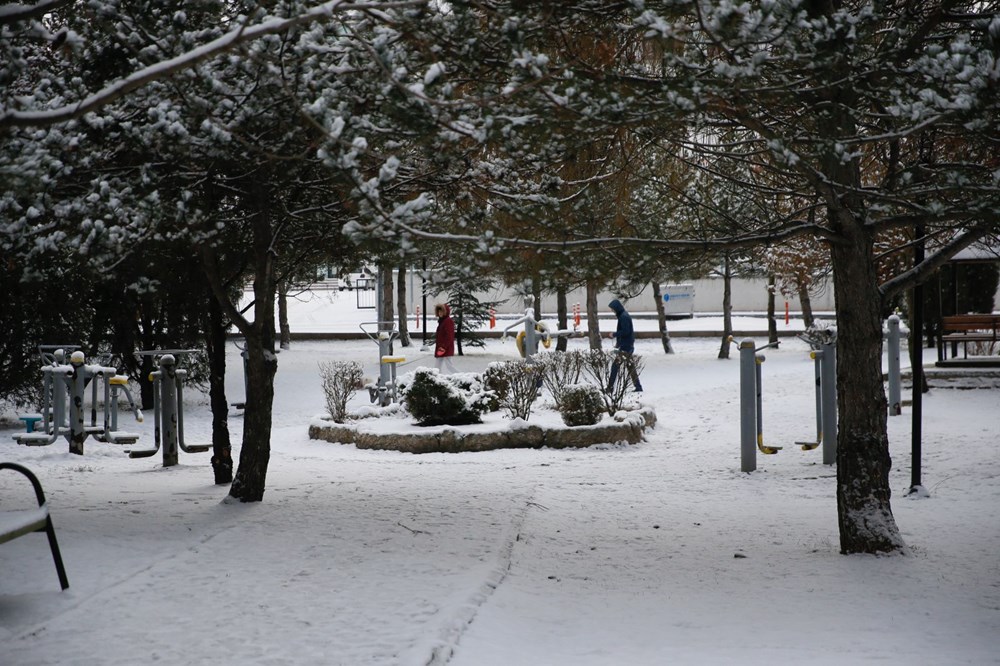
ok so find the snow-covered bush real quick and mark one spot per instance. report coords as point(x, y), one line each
point(559, 371)
point(581, 404)
point(515, 386)
point(436, 399)
point(341, 380)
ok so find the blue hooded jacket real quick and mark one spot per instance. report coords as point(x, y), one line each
point(625, 334)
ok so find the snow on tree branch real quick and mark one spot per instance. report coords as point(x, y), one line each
point(13, 12)
point(235, 37)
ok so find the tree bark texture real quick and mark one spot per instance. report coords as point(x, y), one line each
point(222, 450)
point(562, 316)
point(536, 297)
point(772, 324)
point(286, 330)
point(255, 454)
point(262, 363)
point(661, 318)
point(806, 303)
point(401, 310)
point(593, 323)
point(863, 463)
point(387, 315)
point(727, 308)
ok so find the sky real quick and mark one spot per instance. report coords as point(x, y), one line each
point(661, 552)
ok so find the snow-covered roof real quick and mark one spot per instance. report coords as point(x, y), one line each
point(978, 252)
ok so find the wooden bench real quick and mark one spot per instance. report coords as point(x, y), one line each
point(966, 328)
point(14, 524)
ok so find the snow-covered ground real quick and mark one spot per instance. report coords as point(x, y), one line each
point(658, 553)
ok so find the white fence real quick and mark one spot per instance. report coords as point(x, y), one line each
point(748, 295)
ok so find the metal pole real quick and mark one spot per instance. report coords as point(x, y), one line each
point(157, 420)
point(748, 395)
point(895, 401)
point(78, 388)
point(818, 371)
point(168, 410)
point(384, 369)
point(423, 294)
point(180, 375)
point(379, 298)
point(110, 418)
point(917, 372)
point(58, 377)
point(758, 373)
point(828, 386)
point(530, 339)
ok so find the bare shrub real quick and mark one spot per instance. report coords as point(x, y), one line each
point(515, 385)
point(560, 370)
point(599, 365)
point(341, 380)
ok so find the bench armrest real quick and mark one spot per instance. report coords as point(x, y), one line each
point(39, 494)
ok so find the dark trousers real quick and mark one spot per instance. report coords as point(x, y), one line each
point(626, 358)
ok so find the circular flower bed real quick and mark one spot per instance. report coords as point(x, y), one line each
point(626, 427)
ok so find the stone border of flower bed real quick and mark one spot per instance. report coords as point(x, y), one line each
point(628, 427)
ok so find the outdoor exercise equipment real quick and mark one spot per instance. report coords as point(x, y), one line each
point(383, 333)
point(527, 339)
point(895, 380)
point(817, 357)
point(751, 404)
point(245, 355)
point(168, 408)
point(534, 331)
point(63, 410)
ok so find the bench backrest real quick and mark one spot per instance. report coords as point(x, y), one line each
point(970, 322)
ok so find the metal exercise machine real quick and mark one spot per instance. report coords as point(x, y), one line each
point(751, 404)
point(168, 408)
point(536, 331)
point(383, 333)
point(64, 392)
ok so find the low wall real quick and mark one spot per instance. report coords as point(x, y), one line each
point(628, 427)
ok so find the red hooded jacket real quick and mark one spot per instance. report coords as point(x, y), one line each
point(444, 339)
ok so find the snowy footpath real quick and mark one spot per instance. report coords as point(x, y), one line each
point(657, 553)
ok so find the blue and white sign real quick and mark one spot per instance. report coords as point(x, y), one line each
point(678, 299)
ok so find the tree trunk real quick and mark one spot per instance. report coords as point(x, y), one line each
point(727, 307)
point(863, 463)
point(563, 317)
point(262, 363)
point(255, 454)
point(146, 366)
point(286, 331)
point(806, 302)
point(661, 317)
point(458, 328)
point(772, 324)
point(401, 310)
point(593, 323)
point(387, 313)
point(222, 450)
point(536, 297)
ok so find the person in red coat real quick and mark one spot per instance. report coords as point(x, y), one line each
point(444, 339)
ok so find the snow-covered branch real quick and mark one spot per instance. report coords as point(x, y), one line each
point(603, 243)
point(13, 12)
point(233, 38)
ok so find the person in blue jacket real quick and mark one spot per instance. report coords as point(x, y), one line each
point(624, 337)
